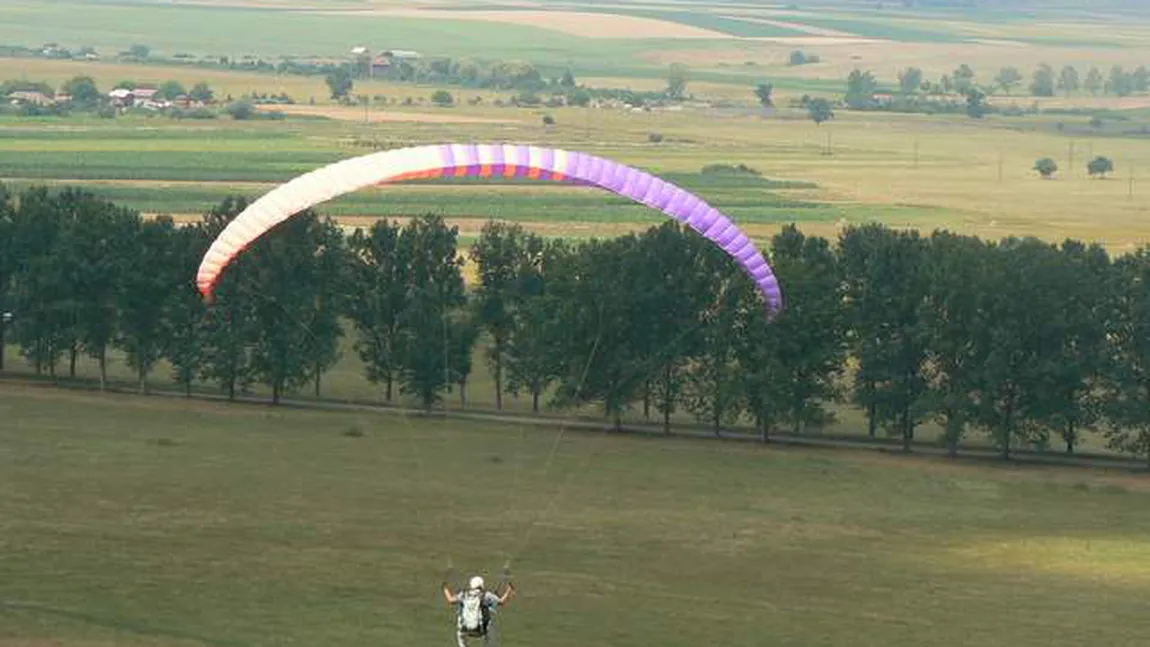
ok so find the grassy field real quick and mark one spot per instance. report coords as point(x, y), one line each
point(156, 522)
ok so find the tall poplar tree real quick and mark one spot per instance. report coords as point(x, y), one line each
point(41, 289)
point(229, 327)
point(499, 255)
point(1128, 385)
point(1069, 400)
point(149, 283)
point(379, 270)
point(959, 283)
point(789, 367)
point(96, 242)
point(532, 361)
point(293, 333)
point(435, 296)
point(184, 309)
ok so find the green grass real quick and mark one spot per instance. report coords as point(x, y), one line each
point(155, 522)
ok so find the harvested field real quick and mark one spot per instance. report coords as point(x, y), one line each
point(583, 25)
point(352, 113)
point(812, 30)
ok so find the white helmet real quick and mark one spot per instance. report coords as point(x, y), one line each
point(476, 582)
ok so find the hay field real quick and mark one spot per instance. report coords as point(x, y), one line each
point(154, 522)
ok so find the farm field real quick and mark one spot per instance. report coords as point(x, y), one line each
point(148, 521)
point(621, 39)
point(966, 176)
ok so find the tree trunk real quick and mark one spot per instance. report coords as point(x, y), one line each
point(536, 388)
point(872, 420)
point(232, 387)
point(668, 399)
point(715, 422)
point(142, 376)
point(72, 353)
point(103, 358)
point(3, 327)
point(387, 393)
point(188, 389)
point(618, 421)
point(953, 431)
point(1004, 440)
point(498, 373)
point(1071, 436)
point(647, 400)
point(907, 428)
point(318, 380)
point(463, 393)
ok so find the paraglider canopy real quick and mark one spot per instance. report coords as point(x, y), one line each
point(483, 161)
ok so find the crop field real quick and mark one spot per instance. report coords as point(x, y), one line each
point(237, 31)
point(146, 521)
point(969, 176)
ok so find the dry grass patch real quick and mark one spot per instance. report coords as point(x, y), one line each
point(1109, 560)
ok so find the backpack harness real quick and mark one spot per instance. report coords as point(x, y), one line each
point(474, 614)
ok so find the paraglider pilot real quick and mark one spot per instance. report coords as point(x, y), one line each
point(475, 607)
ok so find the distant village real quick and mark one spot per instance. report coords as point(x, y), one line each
point(146, 98)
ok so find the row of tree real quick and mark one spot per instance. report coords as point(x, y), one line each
point(1045, 82)
point(960, 92)
point(1019, 339)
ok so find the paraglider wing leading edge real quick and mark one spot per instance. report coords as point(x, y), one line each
point(484, 160)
